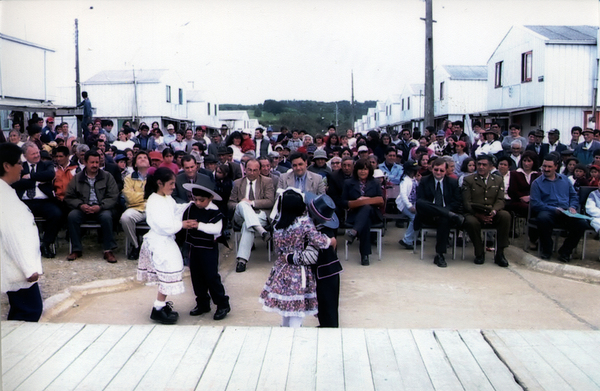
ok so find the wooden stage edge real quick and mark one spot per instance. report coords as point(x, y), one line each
point(50, 356)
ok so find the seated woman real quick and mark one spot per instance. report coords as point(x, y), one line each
point(467, 168)
point(362, 196)
point(519, 185)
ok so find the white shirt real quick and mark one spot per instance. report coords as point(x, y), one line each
point(247, 196)
point(39, 195)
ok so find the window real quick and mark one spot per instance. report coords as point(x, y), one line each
point(402, 104)
point(408, 103)
point(215, 111)
point(526, 67)
point(208, 108)
point(442, 90)
point(180, 96)
point(169, 94)
point(498, 75)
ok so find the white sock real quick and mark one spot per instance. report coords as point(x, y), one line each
point(296, 321)
point(159, 304)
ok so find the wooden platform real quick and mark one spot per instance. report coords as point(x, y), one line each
point(49, 356)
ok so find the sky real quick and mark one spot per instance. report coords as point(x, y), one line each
point(246, 51)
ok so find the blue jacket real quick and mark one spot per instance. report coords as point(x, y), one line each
point(547, 195)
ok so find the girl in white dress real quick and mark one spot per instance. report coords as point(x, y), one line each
point(160, 258)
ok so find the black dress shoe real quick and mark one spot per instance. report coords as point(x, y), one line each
point(199, 310)
point(479, 260)
point(501, 261)
point(457, 220)
point(221, 313)
point(564, 257)
point(134, 254)
point(165, 315)
point(351, 236)
point(440, 260)
point(545, 257)
point(364, 260)
point(406, 245)
point(240, 267)
point(47, 251)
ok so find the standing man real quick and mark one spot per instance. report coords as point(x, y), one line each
point(262, 145)
point(48, 132)
point(300, 177)
point(483, 201)
point(550, 194)
point(36, 189)
point(405, 144)
point(252, 198)
point(170, 136)
point(107, 127)
point(19, 243)
point(438, 204)
point(87, 112)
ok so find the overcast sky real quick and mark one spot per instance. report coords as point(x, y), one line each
point(246, 51)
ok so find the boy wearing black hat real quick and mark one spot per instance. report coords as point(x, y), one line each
point(204, 249)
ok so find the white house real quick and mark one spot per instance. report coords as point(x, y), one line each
point(543, 77)
point(412, 109)
point(234, 119)
point(459, 90)
point(392, 110)
point(144, 95)
point(203, 108)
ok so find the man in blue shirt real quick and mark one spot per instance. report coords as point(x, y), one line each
point(392, 170)
point(551, 193)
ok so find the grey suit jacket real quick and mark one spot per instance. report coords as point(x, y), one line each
point(179, 193)
point(314, 182)
point(264, 197)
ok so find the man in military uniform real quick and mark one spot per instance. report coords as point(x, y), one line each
point(483, 198)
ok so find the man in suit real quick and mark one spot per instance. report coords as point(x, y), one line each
point(190, 174)
point(36, 189)
point(553, 144)
point(335, 182)
point(438, 204)
point(483, 200)
point(252, 198)
point(226, 157)
point(585, 150)
point(536, 146)
point(300, 177)
point(265, 170)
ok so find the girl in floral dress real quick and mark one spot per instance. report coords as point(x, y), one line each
point(290, 289)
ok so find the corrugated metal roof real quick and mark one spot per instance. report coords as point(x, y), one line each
point(126, 76)
point(466, 72)
point(567, 33)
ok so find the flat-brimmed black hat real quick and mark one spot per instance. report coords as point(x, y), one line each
point(322, 210)
point(204, 184)
point(222, 151)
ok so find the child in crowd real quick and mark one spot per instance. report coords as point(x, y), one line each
point(160, 258)
point(580, 177)
point(204, 249)
point(594, 176)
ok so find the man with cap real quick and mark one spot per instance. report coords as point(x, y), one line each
point(210, 165)
point(483, 202)
point(262, 145)
point(204, 249)
point(325, 263)
point(155, 159)
point(363, 152)
point(319, 165)
point(300, 177)
point(48, 132)
point(224, 131)
point(170, 136)
point(252, 198)
point(585, 150)
point(439, 144)
point(284, 165)
point(536, 146)
point(392, 170)
point(247, 143)
point(438, 203)
point(553, 144)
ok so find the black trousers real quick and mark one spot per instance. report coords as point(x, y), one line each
point(502, 224)
point(328, 297)
point(431, 214)
point(547, 221)
point(361, 222)
point(104, 218)
point(25, 304)
point(204, 270)
point(50, 212)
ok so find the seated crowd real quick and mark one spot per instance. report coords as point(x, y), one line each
point(445, 179)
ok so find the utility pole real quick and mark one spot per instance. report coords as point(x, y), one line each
point(429, 114)
point(77, 81)
point(353, 119)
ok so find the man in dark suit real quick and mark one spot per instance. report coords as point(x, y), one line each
point(483, 200)
point(335, 182)
point(252, 198)
point(438, 204)
point(226, 157)
point(36, 190)
point(190, 174)
point(553, 144)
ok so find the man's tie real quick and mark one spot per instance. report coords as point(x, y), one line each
point(251, 192)
point(439, 198)
point(31, 192)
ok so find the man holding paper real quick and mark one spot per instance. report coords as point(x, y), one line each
point(552, 199)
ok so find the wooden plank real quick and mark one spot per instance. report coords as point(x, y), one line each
point(249, 362)
point(142, 359)
point(495, 370)
point(512, 359)
point(52, 368)
point(384, 368)
point(440, 372)
point(110, 365)
point(23, 340)
point(585, 341)
point(9, 325)
point(303, 361)
point(43, 351)
point(158, 375)
point(545, 375)
point(218, 370)
point(196, 356)
point(463, 363)
point(330, 360)
point(584, 361)
point(91, 356)
point(357, 367)
point(408, 358)
point(576, 378)
point(273, 375)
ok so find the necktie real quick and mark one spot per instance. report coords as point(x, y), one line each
point(251, 192)
point(439, 198)
point(31, 192)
